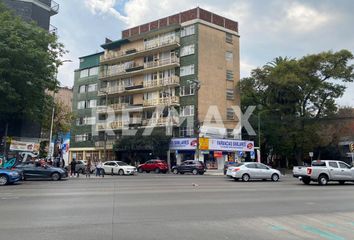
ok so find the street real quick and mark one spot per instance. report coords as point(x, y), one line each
point(152, 206)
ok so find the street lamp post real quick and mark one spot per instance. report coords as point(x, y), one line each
point(51, 149)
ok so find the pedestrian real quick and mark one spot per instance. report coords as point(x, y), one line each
point(88, 169)
point(72, 167)
point(100, 169)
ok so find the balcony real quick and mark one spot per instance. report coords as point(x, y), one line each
point(161, 82)
point(109, 144)
point(118, 107)
point(161, 101)
point(149, 48)
point(162, 121)
point(115, 71)
point(54, 8)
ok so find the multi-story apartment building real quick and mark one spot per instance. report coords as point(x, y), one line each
point(181, 71)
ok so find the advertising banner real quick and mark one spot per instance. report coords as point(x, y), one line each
point(204, 143)
point(183, 144)
point(231, 145)
point(24, 146)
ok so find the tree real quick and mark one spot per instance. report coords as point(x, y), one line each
point(29, 59)
point(295, 95)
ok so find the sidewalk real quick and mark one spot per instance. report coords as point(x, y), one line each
point(214, 172)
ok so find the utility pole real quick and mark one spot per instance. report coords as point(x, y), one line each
point(196, 121)
point(5, 143)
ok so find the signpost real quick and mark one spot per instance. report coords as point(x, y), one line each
point(311, 155)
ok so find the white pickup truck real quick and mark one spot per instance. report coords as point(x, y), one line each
point(324, 171)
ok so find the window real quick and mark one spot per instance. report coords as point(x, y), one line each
point(343, 165)
point(261, 166)
point(333, 164)
point(230, 114)
point(91, 103)
point(251, 165)
point(186, 131)
point(79, 121)
point(84, 73)
point(89, 120)
point(82, 89)
point(228, 37)
point(187, 111)
point(187, 70)
point(229, 75)
point(93, 71)
point(81, 105)
point(230, 94)
point(186, 31)
point(229, 56)
point(92, 88)
point(83, 137)
point(187, 50)
point(187, 90)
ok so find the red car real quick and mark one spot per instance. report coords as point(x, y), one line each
point(153, 165)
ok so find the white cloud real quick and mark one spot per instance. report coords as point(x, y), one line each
point(246, 68)
point(304, 18)
point(103, 7)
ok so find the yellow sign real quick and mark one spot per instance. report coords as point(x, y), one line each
point(351, 147)
point(204, 143)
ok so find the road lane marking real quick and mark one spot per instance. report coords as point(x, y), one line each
point(324, 234)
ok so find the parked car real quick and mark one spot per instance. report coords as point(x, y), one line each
point(81, 166)
point(190, 166)
point(153, 165)
point(118, 167)
point(252, 170)
point(324, 171)
point(38, 171)
point(8, 176)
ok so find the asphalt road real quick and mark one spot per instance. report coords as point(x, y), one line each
point(151, 206)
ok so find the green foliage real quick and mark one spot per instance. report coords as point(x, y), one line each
point(295, 94)
point(29, 58)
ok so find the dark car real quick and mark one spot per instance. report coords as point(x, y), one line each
point(37, 171)
point(153, 165)
point(190, 166)
point(8, 176)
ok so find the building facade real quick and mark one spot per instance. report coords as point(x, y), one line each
point(180, 71)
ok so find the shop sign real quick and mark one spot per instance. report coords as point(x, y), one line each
point(24, 146)
point(351, 147)
point(204, 143)
point(217, 154)
point(231, 145)
point(204, 152)
point(183, 144)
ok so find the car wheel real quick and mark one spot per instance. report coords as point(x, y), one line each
point(55, 176)
point(341, 182)
point(322, 180)
point(195, 171)
point(140, 170)
point(3, 180)
point(245, 177)
point(306, 181)
point(120, 172)
point(275, 177)
point(175, 171)
point(157, 170)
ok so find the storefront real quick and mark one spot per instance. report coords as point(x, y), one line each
point(213, 152)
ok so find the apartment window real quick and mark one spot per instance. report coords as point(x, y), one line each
point(230, 95)
point(93, 71)
point(92, 87)
point(89, 120)
point(187, 70)
point(91, 103)
point(186, 31)
point(230, 114)
point(187, 50)
point(81, 105)
point(83, 137)
point(82, 89)
point(229, 56)
point(187, 111)
point(187, 90)
point(186, 131)
point(229, 75)
point(84, 73)
point(228, 37)
point(79, 121)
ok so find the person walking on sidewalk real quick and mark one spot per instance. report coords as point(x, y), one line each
point(100, 169)
point(88, 169)
point(72, 167)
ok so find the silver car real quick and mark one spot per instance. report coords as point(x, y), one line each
point(252, 170)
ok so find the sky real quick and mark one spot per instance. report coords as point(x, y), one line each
point(268, 29)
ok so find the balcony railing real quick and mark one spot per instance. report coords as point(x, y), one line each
point(54, 8)
point(160, 82)
point(147, 47)
point(162, 121)
point(109, 143)
point(118, 70)
point(115, 107)
point(111, 90)
point(161, 101)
